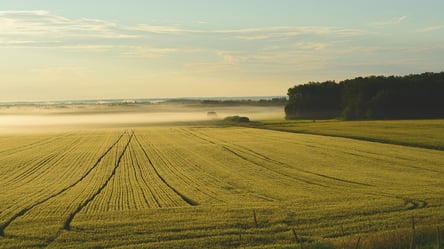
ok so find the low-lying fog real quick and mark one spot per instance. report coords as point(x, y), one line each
point(38, 118)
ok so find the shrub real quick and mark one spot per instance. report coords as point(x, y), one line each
point(237, 119)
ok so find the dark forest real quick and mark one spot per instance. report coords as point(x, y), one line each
point(375, 97)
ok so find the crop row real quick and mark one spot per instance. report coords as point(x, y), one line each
point(74, 181)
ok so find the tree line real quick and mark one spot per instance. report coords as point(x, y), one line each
point(374, 97)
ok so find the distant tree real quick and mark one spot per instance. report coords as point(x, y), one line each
point(373, 97)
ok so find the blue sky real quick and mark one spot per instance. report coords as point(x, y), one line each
point(55, 49)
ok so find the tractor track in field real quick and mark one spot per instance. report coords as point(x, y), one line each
point(27, 209)
point(268, 159)
point(409, 203)
point(233, 152)
point(191, 134)
point(135, 161)
point(184, 198)
point(272, 170)
point(68, 221)
point(187, 179)
point(370, 155)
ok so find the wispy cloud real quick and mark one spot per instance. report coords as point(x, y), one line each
point(159, 29)
point(374, 50)
point(89, 48)
point(259, 33)
point(44, 30)
point(261, 60)
point(431, 28)
point(43, 23)
point(393, 21)
point(316, 46)
point(147, 52)
point(289, 31)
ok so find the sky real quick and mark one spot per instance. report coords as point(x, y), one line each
point(70, 50)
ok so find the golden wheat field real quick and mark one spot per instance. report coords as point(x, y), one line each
point(209, 187)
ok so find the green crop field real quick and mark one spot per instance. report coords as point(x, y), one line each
point(202, 187)
point(418, 133)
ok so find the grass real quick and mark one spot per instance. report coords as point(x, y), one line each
point(214, 187)
point(419, 133)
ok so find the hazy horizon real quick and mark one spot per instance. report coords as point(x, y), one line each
point(43, 118)
point(127, 100)
point(60, 50)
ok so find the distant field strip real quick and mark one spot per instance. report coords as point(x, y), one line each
point(418, 133)
point(192, 187)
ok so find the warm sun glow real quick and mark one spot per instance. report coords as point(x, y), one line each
point(58, 50)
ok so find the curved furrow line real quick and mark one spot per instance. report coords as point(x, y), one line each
point(268, 159)
point(34, 144)
point(257, 164)
point(236, 154)
point(408, 202)
point(210, 179)
point(199, 185)
point(105, 202)
point(184, 198)
point(87, 186)
point(121, 193)
point(200, 169)
point(361, 153)
point(292, 177)
point(36, 166)
point(142, 199)
point(127, 192)
point(140, 179)
point(166, 196)
point(25, 210)
point(120, 186)
point(386, 158)
point(133, 184)
point(39, 164)
point(201, 137)
point(170, 166)
point(68, 221)
point(115, 197)
point(146, 182)
point(43, 171)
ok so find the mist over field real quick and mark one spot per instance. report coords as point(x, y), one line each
point(44, 118)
